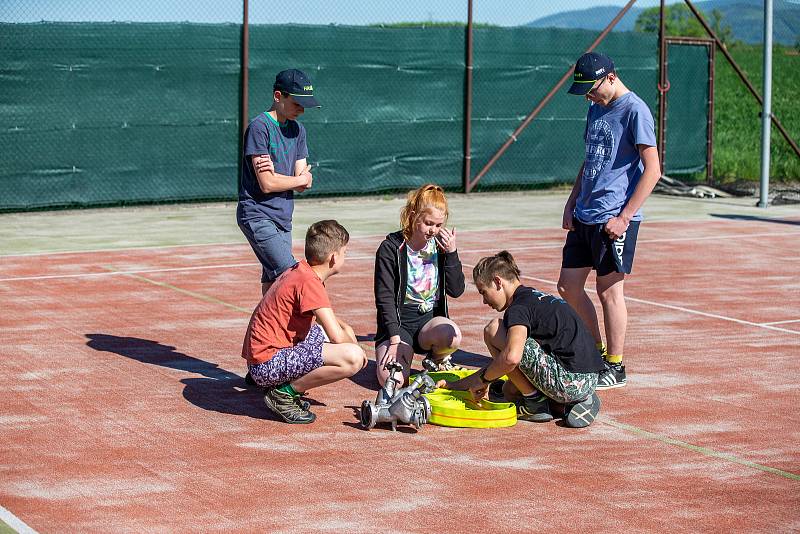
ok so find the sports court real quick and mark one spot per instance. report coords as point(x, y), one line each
point(124, 408)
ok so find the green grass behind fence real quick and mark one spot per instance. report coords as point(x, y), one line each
point(737, 123)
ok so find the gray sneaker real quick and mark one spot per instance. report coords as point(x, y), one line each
point(582, 414)
point(287, 407)
point(445, 364)
point(536, 409)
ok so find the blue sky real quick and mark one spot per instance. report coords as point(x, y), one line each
point(500, 12)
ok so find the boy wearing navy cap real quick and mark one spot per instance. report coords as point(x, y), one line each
point(602, 214)
point(274, 167)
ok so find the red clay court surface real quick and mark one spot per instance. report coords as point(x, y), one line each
point(124, 409)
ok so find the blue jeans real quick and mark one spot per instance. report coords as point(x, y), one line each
point(272, 245)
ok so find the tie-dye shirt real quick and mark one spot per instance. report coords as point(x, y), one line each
point(423, 276)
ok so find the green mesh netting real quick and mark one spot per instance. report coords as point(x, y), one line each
point(114, 113)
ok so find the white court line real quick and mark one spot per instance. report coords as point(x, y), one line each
point(143, 247)
point(767, 326)
point(782, 322)
point(15, 522)
point(350, 258)
point(373, 236)
point(116, 273)
point(677, 308)
point(640, 241)
point(671, 307)
point(150, 271)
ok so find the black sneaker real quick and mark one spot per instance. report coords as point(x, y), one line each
point(496, 391)
point(582, 414)
point(287, 406)
point(612, 376)
point(535, 408)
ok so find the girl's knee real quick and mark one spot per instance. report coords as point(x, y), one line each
point(450, 335)
point(455, 340)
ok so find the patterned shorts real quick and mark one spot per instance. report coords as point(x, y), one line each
point(292, 362)
point(549, 377)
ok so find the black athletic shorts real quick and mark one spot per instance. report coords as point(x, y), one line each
point(588, 245)
point(411, 322)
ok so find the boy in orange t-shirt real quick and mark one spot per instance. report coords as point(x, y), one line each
point(285, 346)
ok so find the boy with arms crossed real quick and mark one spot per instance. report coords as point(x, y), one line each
point(274, 167)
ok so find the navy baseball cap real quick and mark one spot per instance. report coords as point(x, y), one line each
point(589, 68)
point(297, 84)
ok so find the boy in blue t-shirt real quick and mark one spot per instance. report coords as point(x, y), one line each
point(602, 214)
point(274, 167)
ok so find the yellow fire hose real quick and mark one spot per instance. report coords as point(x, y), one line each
point(457, 409)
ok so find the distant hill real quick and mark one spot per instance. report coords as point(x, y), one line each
point(745, 17)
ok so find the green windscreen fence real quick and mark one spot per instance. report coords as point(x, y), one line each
point(686, 124)
point(117, 113)
point(113, 113)
point(514, 71)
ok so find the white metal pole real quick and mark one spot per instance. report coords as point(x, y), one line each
point(766, 112)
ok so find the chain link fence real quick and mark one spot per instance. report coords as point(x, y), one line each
point(114, 103)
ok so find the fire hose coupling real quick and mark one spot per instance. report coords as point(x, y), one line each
point(399, 405)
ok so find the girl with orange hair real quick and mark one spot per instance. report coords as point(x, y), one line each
point(416, 268)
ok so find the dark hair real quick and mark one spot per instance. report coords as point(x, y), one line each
point(501, 264)
point(322, 238)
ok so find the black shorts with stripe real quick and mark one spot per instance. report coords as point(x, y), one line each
point(588, 245)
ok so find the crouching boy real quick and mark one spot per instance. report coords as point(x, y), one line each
point(294, 341)
point(540, 343)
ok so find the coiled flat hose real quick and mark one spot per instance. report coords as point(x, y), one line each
point(457, 409)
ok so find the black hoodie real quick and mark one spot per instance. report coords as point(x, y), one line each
point(391, 276)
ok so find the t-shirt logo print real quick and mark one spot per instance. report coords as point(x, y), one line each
point(599, 145)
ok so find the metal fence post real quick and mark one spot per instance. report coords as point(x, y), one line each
point(766, 112)
point(468, 102)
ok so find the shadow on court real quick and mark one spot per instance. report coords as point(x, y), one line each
point(471, 359)
point(754, 218)
point(367, 379)
point(218, 390)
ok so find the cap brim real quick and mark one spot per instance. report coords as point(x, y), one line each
point(306, 101)
point(581, 88)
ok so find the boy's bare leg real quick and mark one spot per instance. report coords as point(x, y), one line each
point(495, 336)
point(615, 312)
point(571, 283)
point(341, 360)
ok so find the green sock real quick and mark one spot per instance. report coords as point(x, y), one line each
point(614, 358)
point(602, 348)
point(287, 388)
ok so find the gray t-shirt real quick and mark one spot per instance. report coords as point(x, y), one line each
point(612, 167)
point(286, 144)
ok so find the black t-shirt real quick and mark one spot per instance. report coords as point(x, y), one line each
point(554, 325)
